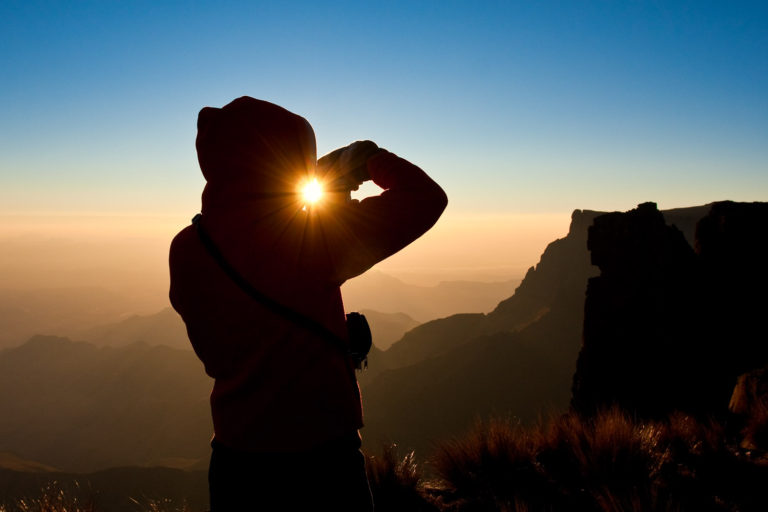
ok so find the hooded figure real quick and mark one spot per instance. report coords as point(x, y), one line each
point(284, 398)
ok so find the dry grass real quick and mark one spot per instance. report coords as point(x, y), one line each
point(749, 405)
point(756, 428)
point(53, 498)
point(161, 505)
point(397, 483)
point(606, 463)
point(491, 468)
point(56, 498)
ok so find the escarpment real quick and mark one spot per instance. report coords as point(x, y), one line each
point(668, 326)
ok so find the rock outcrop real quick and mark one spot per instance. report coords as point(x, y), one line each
point(557, 282)
point(668, 327)
point(518, 360)
point(732, 244)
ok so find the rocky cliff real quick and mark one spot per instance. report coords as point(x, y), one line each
point(668, 327)
point(517, 361)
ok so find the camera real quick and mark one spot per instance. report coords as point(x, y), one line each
point(360, 339)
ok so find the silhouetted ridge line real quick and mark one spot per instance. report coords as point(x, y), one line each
point(666, 327)
point(518, 360)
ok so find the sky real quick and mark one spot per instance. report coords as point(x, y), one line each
point(523, 111)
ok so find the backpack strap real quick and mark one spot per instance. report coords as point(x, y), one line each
point(282, 310)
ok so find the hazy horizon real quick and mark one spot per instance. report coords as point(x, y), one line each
point(112, 250)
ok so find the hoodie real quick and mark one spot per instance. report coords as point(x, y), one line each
point(279, 387)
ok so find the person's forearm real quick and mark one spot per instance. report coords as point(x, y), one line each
point(360, 234)
point(395, 174)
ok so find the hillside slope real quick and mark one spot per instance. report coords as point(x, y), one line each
point(79, 407)
point(518, 360)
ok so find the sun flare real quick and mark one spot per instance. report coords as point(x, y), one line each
point(312, 191)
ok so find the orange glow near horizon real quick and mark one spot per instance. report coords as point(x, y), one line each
point(131, 251)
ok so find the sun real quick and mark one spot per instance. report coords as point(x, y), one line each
point(311, 192)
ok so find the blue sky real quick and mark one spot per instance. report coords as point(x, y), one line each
point(515, 107)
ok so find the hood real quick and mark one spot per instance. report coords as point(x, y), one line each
point(250, 150)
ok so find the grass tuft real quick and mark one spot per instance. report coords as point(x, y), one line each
point(396, 482)
point(52, 498)
point(605, 463)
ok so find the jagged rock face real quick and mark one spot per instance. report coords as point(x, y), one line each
point(732, 242)
point(632, 353)
point(557, 283)
point(518, 360)
point(663, 329)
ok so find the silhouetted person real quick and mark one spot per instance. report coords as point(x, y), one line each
point(286, 406)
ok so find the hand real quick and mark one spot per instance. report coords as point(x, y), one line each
point(346, 168)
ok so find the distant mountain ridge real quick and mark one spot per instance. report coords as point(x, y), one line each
point(387, 294)
point(167, 328)
point(519, 359)
point(24, 313)
point(163, 328)
point(13, 462)
point(80, 407)
point(387, 328)
point(560, 275)
point(106, 317)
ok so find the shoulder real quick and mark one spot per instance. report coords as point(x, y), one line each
point(182, 246)
point(183, 238)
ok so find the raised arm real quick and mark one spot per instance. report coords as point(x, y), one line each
point(358, 235)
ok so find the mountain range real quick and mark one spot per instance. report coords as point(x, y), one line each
point(104, 316)
point(57, 311)
point(167, 328)
point(382, 292)
point(517, 360)
point(80, 406)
